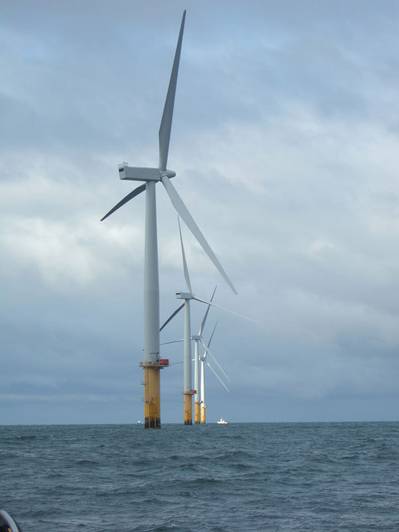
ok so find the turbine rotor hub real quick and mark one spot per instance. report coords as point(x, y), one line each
point(167, 173)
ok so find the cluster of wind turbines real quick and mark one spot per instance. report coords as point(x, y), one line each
point(202, 352)
point(153, 363)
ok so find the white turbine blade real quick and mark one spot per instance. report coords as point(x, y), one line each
point(209, 352)
point(224, 309)
point(172, 342)
point(213, 332)
point(219, 365)
point(183, 254)
point(217, 376)
point(203, 322)
point(189, 221)
point(172, 316)
point(176, 363)
point(166, 121)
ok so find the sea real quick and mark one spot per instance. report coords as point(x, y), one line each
point(240, 477)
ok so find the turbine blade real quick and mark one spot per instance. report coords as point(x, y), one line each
point(183, 254)
point(172, 342)
point(224, 309)
point(217, 376)
point(189, 221)
point(203, 322)
point(213, 332)
point(209, 352)
point(127, 198)
point(219, 366)
point(166, 122)
point(172, 316)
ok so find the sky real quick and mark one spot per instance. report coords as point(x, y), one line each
point(285, 144)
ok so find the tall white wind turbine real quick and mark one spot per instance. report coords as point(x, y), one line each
point(151, 176)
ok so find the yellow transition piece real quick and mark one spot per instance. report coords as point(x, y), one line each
point(197, 412)
point(152, 398)
point(188, 408)
point(203, 414)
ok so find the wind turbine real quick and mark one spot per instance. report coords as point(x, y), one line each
point(201, 352)
point(151, 176)
point(187, 297)
point(204, 359)
point(198, 338)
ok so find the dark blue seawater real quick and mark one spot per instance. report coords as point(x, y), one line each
point(310, 476)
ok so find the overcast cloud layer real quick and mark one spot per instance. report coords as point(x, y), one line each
point(285, 144)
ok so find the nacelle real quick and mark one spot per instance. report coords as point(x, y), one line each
point(137, 173)
point(184, 295)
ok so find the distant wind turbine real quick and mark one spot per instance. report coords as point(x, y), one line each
point(198, 339)
point(201, 360)
point(187, 296)
point(151, 176)
point(205, 357)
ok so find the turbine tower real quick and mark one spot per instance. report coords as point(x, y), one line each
point(151, 176)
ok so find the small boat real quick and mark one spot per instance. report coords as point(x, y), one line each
point(7, 523)
point(222, 421)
